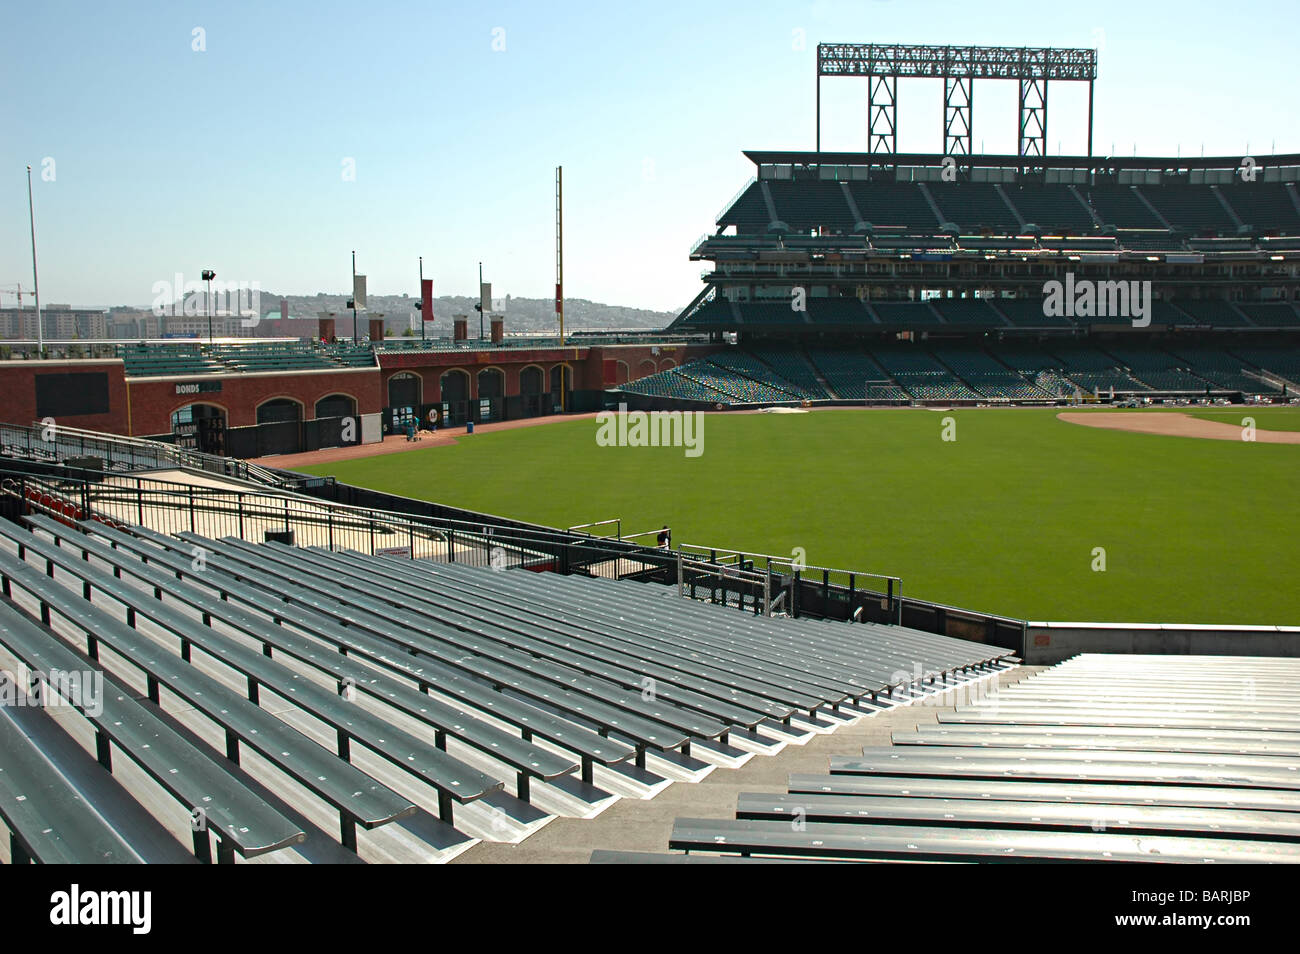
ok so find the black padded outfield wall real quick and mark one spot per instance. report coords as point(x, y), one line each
point(70, 395)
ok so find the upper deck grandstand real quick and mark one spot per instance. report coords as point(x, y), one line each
point(896, 277)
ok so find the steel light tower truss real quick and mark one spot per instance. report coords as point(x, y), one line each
point(882, 114)
point(883, 64)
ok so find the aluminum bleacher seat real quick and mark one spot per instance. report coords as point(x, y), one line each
point(1062, 766)
point(48, 819)
point(238, 819)
point(357, 798)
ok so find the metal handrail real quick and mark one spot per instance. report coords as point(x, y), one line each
point(739, 192)
point(45, 438)
point(771, 558)
point(266, 505)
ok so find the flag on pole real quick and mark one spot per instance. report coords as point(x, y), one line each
point(485, 297)
point(359, 291)
point(426, 299)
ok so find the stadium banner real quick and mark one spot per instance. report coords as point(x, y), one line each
point(485, 297)
point(426, 299)
point(559, 298)
point(359, 291)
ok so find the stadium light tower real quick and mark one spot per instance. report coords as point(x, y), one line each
point(479, 306)
point(884, 64)
point(559, 251)
point(36, 282)
point(207, 276)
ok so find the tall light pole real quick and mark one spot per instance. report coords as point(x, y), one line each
point(480, 301)
point(40, 329)
point(207, 276)
point(559, 248)
point(354, 296)
point(559, 272)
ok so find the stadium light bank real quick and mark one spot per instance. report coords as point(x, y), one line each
point(623, 428)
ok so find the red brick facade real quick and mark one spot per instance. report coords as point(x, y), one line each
point(144, 406)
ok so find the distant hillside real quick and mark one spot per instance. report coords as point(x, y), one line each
point(521, 314)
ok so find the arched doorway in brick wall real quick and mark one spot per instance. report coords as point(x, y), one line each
point(532, 389)
point(455, 396)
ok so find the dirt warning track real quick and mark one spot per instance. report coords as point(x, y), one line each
point(1175, 424)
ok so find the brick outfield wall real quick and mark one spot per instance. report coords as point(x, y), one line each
point(18, 392)
point(143, 406)
point(592, 369)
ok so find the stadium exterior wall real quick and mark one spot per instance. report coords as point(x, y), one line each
point(1049, 643)
point(154, 401)
point(18, 392)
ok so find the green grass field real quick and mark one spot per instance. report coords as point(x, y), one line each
point(1005, 519)
point(1266, 418)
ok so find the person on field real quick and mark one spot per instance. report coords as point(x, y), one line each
point(665, 538)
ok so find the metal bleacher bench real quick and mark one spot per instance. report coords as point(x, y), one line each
point(250, 588)
point(48, 820)
point(586, 701)
point(908, 843)
point(447, 720)
point(453, 780)
point(359, 799)
point(240, 821)
point(650, 722)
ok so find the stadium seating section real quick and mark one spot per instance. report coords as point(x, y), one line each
point(781, 373)
point(1140, 217)
point(975, 206)
point(292, 705)
point(1051, 769)
point(850, 314)
point(143, 360)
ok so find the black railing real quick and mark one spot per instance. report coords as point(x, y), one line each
point(57, 443)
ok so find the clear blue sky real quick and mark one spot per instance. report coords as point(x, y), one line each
point(167, 159)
